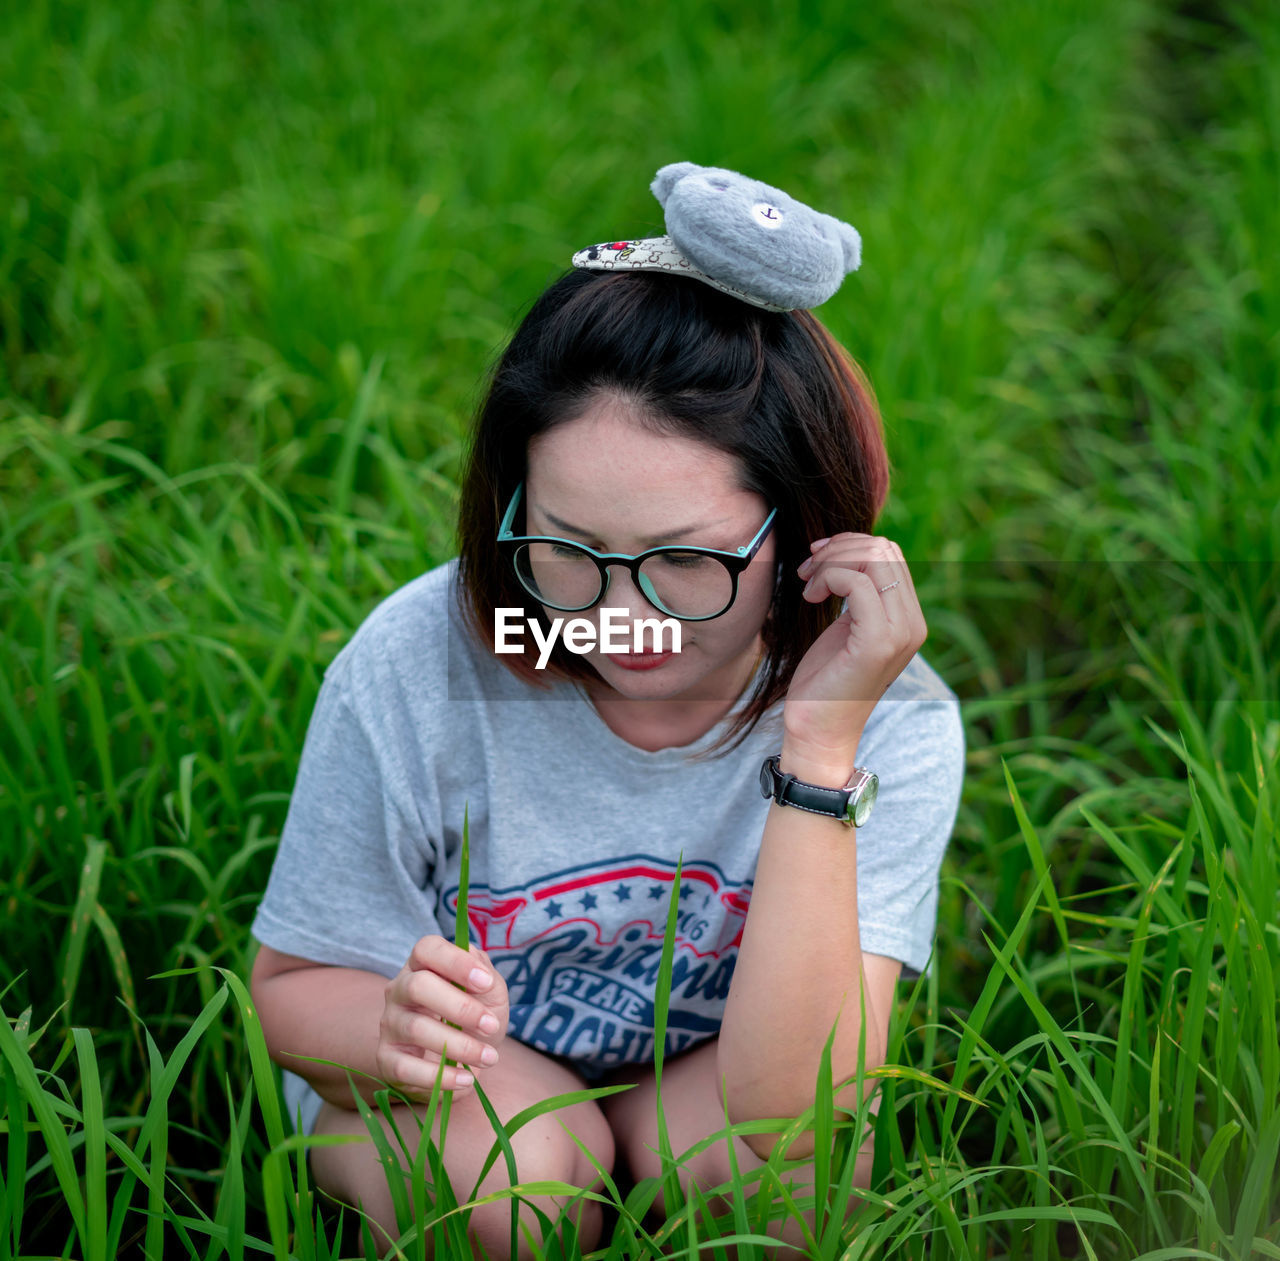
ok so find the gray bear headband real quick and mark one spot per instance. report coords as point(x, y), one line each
point(740, 236)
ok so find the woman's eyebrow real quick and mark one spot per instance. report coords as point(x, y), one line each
point(656, 540)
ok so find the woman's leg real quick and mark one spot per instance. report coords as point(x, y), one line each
point(691, 1104)
point(351, 1173)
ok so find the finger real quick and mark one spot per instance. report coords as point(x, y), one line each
point(807, 564)
point(894, 578)
point(436, 996)
point(843, 546)
point(480, 959)
point(854, 585)
point(912, 601)
point(858, 551)
point(417, 1029)
point(899, 592)
point(831, 575)
point(492, 990)
point(894, 617)
point(435, 954)
point(845, 536)
point(411, 1073)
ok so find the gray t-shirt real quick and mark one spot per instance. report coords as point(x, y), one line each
point(574, 835)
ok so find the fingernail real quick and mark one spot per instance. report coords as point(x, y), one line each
point(488, 1023)
point(804, 566)
point(808, 586)
point(479, 979)
point(819, 543)
point(464, 1079)
point(488, 1056)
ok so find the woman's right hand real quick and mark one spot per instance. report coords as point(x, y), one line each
point(420, 998)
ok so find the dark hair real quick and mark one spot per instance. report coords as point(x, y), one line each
point(773, 389)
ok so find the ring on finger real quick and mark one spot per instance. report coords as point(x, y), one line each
point(890, 587)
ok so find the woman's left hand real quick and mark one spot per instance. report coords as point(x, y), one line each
point(850, 666)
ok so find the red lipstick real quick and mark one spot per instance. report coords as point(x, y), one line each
point(640, 660)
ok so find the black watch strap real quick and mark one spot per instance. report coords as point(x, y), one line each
point(787, 790)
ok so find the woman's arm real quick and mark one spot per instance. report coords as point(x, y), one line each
point(315, 1009)
point(444, 1001)
point(799, 964)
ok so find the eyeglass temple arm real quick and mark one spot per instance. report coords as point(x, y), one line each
point(754, 546)
point(504, 530)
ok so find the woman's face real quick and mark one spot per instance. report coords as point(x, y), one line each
point(605, 480)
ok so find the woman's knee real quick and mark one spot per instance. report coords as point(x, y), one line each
point(544, 1149)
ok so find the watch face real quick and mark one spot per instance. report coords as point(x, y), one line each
point(866, 799)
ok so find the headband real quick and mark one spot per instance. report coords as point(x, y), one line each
point(740, 236)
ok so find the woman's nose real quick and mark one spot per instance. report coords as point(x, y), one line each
point(622, 593)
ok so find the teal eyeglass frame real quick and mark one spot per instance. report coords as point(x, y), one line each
point(735, 562)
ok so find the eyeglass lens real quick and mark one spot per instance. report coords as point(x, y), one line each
point(684, 584)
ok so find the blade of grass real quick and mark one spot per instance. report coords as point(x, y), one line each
point(81, 915)
point(461, 939)
point(268, 1097)
point(671, 1193)
point(632, 1223)
point(739, 1205)
point(690, 1224)
point(353, 434)
point(418, 1185)
point(120, 967)
point(770, 1171)
point(503, 1141)
point(15, 1165)
point(552, 1104)
point(92, 696)
point(386, 1158)
point(51, 1129)
point(990, 991)
point(1031, 840)
point(154, 1135)
point(1083, 1075)
point(95, 1147)
point(229, 1213)
point(824, 1121)
point(1257, 1196)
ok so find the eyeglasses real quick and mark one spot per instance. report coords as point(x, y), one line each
point(692, 584)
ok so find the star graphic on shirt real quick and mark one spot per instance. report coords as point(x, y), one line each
point(622, 892)
point(553, 909)
point(685, 890)
point(655, 891)
point(588, 901)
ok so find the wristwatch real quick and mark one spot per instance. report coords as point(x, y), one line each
point(850, 804)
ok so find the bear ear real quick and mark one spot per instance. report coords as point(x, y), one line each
point(667, 178)
point(852, 243)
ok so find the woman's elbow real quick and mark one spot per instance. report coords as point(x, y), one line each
point(762, 1144)
point(784, 1103)
point(753, 1102)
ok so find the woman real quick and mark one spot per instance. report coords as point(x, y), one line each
point(658, 454)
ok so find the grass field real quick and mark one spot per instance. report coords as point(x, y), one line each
point(255, 262)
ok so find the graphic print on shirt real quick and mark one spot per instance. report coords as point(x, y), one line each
point(580, 950)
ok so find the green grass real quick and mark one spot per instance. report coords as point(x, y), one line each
point(255, 262)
